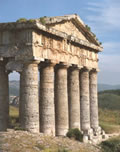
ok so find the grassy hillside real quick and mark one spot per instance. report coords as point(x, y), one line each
point(109, 99)
point(111, 145)
point(102, 87)
point(109, 110)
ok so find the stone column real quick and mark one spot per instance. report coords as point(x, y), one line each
point(61, 100)
point(4, 102)
point(84, 101)
point(20, 99)
point(74, 97)
point(93, 100)
point(29, 97)
point(47, 107)
point(7, 96)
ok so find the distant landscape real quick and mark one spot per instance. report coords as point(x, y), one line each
point(102, 87)
point(14, 87)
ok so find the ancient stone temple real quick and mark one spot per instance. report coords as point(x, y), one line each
point(64, 52)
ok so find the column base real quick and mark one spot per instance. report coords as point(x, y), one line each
point(61, 132)
point(94, 136)
point(97, 131)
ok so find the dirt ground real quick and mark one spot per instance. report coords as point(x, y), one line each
point(22, 141)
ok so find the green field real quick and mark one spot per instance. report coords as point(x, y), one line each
point(14, 117)
point(109, 110)
point(109, 116)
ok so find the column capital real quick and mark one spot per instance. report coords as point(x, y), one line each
point(94, 70)
point(74, 66)
point(63, 65)
point(30, 62)
point(14, 66)
point(87, 69)
point(46, 64)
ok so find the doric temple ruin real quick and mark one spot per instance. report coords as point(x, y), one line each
point(64, 52)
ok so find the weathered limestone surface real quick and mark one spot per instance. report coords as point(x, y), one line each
point(61, 100)
point(4, 104)
point(68, 96)
point(74, 98)
point(47, 107)
point(69, 28)
point(84, 100)
point(7, 95)
point(56, 49)
point(21, 112)
point(29, 97)
point(93, 100)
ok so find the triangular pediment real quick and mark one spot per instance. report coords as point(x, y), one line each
point(72, 25)
point(69, 28)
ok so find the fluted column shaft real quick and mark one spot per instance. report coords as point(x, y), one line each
point(7, 96)
point(84, 101)
point(74, 98)
point(4, 102)
point(93, 100)
point(20, 100)
point(61, 100)
point(47, 107)
point(29, 97)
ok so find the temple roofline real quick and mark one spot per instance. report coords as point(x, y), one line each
point(37, 25)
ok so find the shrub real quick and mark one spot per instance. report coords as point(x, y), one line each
point(31, 20)
point(111, 145)
point(75, 133)
point(88, 28)
point(21, 20)
point(13, 121)
point(42, 20)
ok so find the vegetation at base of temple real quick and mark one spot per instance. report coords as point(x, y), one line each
point(75, 134)
point(111, 145)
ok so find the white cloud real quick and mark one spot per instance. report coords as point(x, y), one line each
point(106, 15)
point(109, 63)
point(109, 69)
point(93, 9)
point(111, 47)
point(94, 4)
point(104, 19)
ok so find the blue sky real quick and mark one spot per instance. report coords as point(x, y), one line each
point(102, 16)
